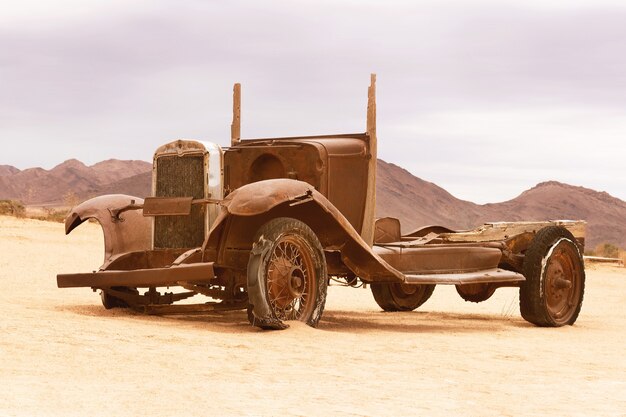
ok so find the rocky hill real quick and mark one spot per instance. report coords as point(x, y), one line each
point(417, 202)
point(605, 214)
point(71, 180)
point(399, 194)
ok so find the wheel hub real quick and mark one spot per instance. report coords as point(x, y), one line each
point(557, 282)
point(409, 289)
point(560, 285)
point(296, 282)
point(281, 283)
point(287, 284)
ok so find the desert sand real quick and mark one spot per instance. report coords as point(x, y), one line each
point(63, 354)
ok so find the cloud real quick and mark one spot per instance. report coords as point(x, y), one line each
point(115, 79)
point(471, 152)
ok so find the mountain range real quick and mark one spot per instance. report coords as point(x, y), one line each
point(399, 194)
point(72, 180)
point(417, 202)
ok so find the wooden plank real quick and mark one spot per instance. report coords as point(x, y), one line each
point(506, 230)
point(235, 127)
point(369, 211)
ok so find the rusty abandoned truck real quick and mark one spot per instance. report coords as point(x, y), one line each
point(265, 224)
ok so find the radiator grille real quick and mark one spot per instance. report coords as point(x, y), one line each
point(180, 176)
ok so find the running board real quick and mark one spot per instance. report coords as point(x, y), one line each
point(479, 277)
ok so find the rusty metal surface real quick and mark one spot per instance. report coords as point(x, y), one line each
point(337, 166)
point(131, 233)
point(167, 206)
point(340, 167)
point(564, 280)
point(154, 277)
point(440, 259)
point(426, 230)
point(261, 201)
point(187, 168)
point(180, 176)
point(180, 147)
point(492, 275)
point(260, 197)
point(388, 263)
point(387, 230)
point(145, 259)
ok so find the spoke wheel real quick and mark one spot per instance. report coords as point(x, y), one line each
point(286, 275)
point(401, 297)
point(290, 278)
point(555, 279)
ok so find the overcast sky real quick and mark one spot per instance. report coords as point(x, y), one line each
point(484, 98)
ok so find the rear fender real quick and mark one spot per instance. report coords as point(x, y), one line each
point(246, 209)
point(132, 232)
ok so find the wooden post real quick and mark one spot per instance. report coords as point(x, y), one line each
point(369, 212)
point(371, 107)
point(235, 127)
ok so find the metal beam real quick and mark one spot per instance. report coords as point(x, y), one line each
point(156, 277)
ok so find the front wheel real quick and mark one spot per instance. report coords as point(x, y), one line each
point(401, 297)
point(552, 294)
point(287, 277)
point(109, 300)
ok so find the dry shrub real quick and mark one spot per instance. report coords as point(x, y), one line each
point(53, 215)
point(589, 252)
point(17, 209)
point(607, 250)
point(12, 208)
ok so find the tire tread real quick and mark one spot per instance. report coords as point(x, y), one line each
point(531, 294)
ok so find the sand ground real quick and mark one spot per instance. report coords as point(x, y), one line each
point(63, 354)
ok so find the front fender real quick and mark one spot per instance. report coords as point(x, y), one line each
point(131, 233)
point(259, 202)
point(262, 196)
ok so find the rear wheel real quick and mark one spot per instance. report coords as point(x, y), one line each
point(286, 275)
point(476, 293)
point(401, 297)
point(553, 292)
